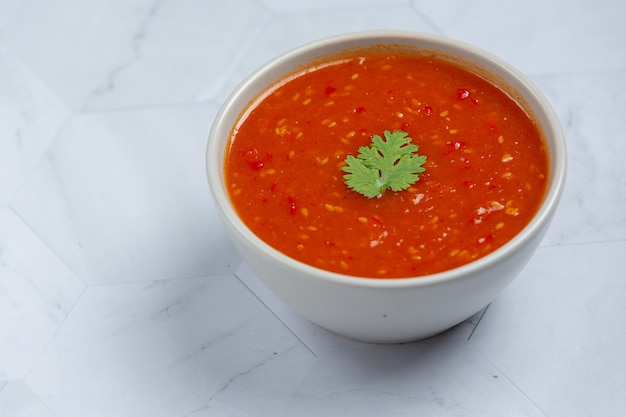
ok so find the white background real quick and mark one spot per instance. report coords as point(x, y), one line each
point(120, 294)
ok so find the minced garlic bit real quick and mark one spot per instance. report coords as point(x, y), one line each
point(444, 113)
point(507, 157)
point(500, 139)
point(306, 102)
point(418, 198)
point(495, 206)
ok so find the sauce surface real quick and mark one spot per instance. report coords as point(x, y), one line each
point(485, 175)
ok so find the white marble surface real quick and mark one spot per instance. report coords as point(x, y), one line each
point(120, 294)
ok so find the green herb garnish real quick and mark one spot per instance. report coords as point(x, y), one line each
point(389, 163)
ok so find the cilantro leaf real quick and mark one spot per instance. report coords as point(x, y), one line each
point(388, 163)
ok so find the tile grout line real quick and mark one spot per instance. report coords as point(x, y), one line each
point(79, 297)
point(478, 322)
point(588, 242)
point(47, 245)
point(204, 93)
point(517, 387)
point(438, 29)
point(274, 314)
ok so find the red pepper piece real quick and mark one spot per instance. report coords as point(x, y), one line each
point(462, 93)
point(254, 158)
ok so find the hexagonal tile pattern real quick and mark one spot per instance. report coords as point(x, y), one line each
point(122, 295)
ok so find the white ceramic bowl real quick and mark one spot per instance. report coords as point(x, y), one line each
point(389, 310)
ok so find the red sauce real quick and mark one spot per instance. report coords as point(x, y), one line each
point(485, 175)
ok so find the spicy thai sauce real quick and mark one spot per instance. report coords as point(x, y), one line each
point(485, 175)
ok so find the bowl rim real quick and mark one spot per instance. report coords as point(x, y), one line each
point(551, 129)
